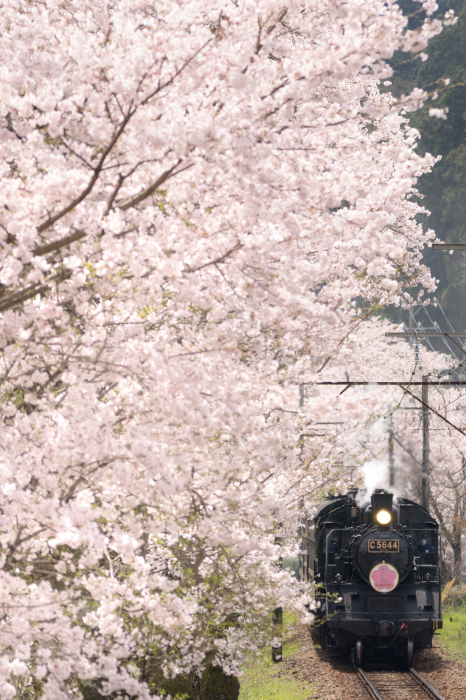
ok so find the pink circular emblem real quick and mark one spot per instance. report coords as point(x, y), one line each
point(384, 578)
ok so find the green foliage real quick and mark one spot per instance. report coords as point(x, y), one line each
point(265, 680)
point(444, 189)
point(456, 598)
point(292, 564)
point(453, 634)
point(261, 682)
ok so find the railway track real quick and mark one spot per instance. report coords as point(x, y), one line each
point(397, 685)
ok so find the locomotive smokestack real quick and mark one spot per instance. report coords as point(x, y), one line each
point(382, 509)
point(382, 501)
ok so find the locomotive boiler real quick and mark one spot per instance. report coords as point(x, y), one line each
point(375, 566)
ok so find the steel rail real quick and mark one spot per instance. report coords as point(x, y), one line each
point(424, 684)
point(374, 693)
point(368, 684)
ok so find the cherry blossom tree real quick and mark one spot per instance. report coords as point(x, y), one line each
point(447, 457)
point(448, 474)
point(193, 197)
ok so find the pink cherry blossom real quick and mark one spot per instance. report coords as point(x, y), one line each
point(193, 197)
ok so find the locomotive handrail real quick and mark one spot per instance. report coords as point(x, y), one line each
point(440, 559)
point(336, 529)
point(343, 616)
point(402, 615)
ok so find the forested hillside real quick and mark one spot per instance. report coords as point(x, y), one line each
point(445, 188)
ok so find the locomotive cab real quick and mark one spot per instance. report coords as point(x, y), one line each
point(376, 574)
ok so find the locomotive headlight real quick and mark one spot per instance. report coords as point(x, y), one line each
point(383, 517)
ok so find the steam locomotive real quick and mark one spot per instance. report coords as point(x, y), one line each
point(375, 566)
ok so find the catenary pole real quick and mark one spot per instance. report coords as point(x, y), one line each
point(391, 453)
point(425, 444)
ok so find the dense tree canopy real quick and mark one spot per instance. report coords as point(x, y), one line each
point(444, 188)
point(193, 197)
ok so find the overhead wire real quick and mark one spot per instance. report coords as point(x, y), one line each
point(450, 350)
point(419, 366)
point(443, 312)
point(453, 400)
point(437, 327)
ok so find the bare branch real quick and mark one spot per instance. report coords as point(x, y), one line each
point(150, 190)
point(222, 258)
point(111, 199)
point(29, 292)
point(176, 74)
point(53, 219)
point(61, 243)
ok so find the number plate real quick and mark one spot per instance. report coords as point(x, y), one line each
point(375, 546)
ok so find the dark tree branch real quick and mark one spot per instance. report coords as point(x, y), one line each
point(29, 292)
point(53, 219)
point(111, 199)
point(132, 110)
point(222, 258)
point(61, 243)
point(154, 187)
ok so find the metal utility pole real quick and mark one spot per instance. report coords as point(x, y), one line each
point(416, 334)
point(391, 454)
point(425, 444)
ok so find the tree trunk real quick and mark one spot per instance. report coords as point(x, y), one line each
point(216, 685)
point(456, 546)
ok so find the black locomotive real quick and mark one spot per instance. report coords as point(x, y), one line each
point(376, 572)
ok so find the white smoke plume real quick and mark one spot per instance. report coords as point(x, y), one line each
point(375, 476)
